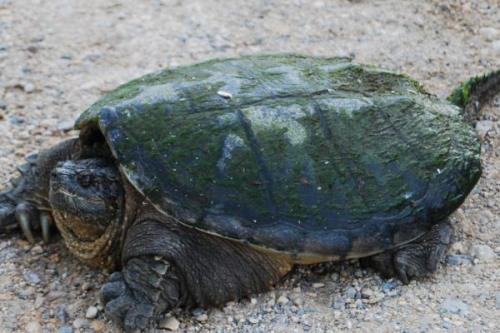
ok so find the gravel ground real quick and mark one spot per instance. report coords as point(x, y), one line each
point(56, 58)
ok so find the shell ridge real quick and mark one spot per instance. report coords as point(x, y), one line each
point(264, 172)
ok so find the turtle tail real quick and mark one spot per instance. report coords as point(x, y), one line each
point(472, 94)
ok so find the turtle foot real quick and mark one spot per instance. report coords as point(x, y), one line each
point(135, 297)
point(414, 260)
point(30, 219)
point(17, 209)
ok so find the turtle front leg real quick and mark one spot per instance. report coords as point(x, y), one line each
point(25, 203)
point(416, 259)
point(167, 265)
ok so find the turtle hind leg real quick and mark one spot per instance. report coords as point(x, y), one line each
point(416, 259)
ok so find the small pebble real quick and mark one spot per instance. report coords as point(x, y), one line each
point(33, 327)
point(350, 293)
point(389, 285)
point(169, 323)
point(375, 298)
point(497, 300)
point(15, 120)
point(97, 325)
point(458, 259)
point(483, 253)
point(339, 304)
point(31, 277)
point(318, 285)
point(28, 87)
point(489, 33)
point(3, 105)
point(65, 329)
point(455, 306)
point(91, 312)
point(253, 320)
point(446, 324)
point(359, 304)
point(197, 311)
point(86, 286)
point(298, 300)
point(202, 317)
point(80, 322)
point(39, 301)
point(37, 249)
point(53, 295)
point(483, 127)
point(282, 300)
point(32, 49)
point(61, 313)
point(366, 293)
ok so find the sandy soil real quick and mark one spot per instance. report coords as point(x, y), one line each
point(58, 56)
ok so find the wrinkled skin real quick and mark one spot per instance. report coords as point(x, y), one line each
point(106, 223)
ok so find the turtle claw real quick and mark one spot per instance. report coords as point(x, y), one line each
point(25, 215)
point(26, 227)
point(30, 219)
point(46, 221)
point(7, 217)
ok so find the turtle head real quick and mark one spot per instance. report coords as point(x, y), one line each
point(87, 199)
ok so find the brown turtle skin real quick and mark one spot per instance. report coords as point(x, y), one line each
point(175, 240)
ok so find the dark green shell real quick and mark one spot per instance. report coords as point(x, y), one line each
point(305, 155)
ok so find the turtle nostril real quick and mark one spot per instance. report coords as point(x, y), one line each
point(53, 174)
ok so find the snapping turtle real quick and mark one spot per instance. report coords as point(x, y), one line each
point(206, 183)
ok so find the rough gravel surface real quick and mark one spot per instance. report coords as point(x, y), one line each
point(58, 56)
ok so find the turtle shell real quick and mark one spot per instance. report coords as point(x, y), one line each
point(314, 157)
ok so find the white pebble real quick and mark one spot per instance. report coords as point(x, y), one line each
point(79, 323)
point(489, 33)
point(202, 317)
point(483, 253)
point(483, 127)
point(282, 299)
point(37, 249)
point(170, 324)
point(91, 312)
point(29, 87)
point(33, 327)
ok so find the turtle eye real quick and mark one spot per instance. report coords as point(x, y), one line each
point(83, 180)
